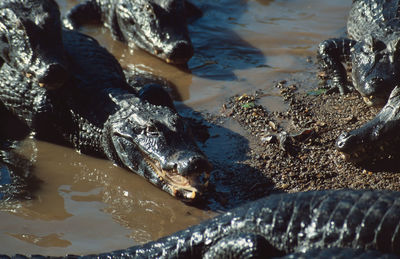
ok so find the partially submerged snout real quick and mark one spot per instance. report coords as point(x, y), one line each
point(177, 53)
point(185, 178)
point(376, 138)
point(158, 27)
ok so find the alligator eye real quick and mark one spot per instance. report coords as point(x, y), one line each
point(152, 131)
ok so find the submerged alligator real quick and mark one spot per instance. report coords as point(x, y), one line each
point(98, 113)
point(30, 41)
point(156, 26)
point(373, 48)
point(344, 223)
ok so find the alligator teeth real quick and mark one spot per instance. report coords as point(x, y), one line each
point(41, 84)
point(174, 191)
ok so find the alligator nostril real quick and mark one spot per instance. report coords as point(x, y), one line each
point(190, 165)
point(345, 141)
point(198, 165)
point(53, 76)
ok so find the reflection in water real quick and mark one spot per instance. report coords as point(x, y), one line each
point(85, 202)
point(17, 181)
point(52, 240)
point(86, 205)
point(219, 50)
point(265, 2)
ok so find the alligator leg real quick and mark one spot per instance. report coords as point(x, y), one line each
point(84, 13)
point(153, 89)
point(155, 94)
point(331, 54)
point(245, 245)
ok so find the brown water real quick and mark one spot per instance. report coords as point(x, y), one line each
point(87, 205)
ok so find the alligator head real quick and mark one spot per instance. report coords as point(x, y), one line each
point(376, 138)
point(155, 142)
point(157, 26)
point(375, 68)
point(31, 41)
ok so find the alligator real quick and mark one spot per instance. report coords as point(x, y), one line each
point(286, 223)
point(351, 223)
point(30, 41)
point(96, 112)
point(156, 26)
point(378, 138)
point(372, 47)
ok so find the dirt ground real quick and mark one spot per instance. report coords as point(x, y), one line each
point(295, 149)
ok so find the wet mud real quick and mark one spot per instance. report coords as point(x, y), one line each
point(295, 148)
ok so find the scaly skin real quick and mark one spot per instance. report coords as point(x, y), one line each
point(345, 222)
point(156, 26)
point(98, 113)
point(377, 138)
point(372, 47)
point(30, 40)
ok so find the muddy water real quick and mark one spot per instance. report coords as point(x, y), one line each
point(87, 205)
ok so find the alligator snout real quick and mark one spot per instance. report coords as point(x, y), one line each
point(181, 52)
point(351, 146)
point(188, 165)
point(376, 91)
point(194, 165)
point(346, 142)
point(53, 76)
point(186, 175)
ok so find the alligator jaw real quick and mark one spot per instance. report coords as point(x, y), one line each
point(180, 186)
point(371, 153)
point(176, 56)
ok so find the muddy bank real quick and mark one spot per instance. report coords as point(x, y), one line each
point(295, 148)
